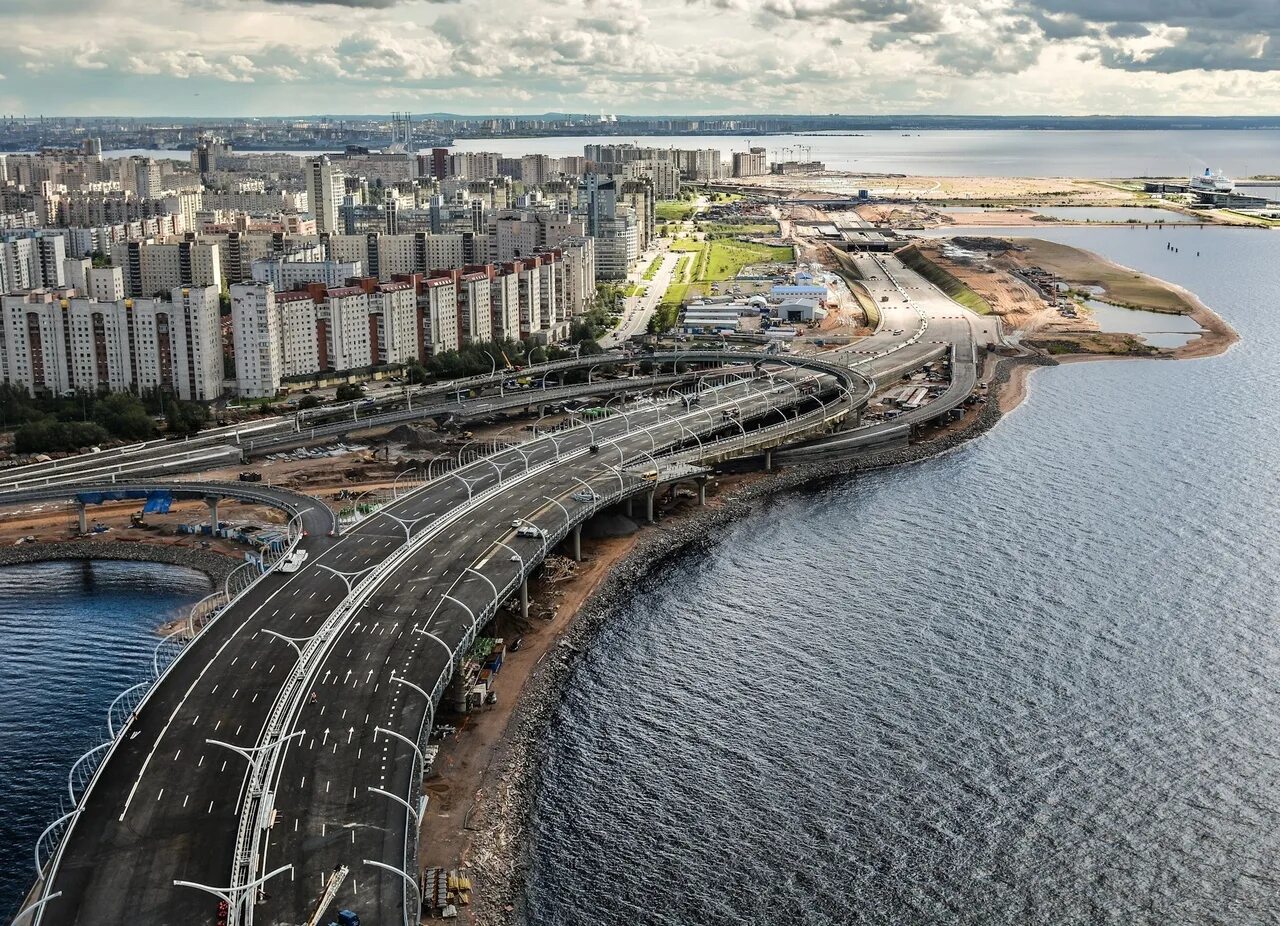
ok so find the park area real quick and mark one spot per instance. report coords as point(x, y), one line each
point(703, 263)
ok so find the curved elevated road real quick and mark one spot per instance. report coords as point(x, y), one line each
point(168, 805)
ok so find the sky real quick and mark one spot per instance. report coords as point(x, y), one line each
point(289, 57)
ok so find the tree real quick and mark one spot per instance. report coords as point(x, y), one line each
point(349, 392)
point(185, 417)
point(123, 415)
point(309, 401)
point(415, 373)
point(48, 434)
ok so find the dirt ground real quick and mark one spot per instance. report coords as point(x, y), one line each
point(1024, 309)
point(1058, 190)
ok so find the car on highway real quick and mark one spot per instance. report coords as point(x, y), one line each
point(583, 495)
point(293, 562)
point(530, 530)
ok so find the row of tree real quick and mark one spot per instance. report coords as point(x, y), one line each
point(83, 419)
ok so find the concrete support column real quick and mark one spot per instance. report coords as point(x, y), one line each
point(768, 460)
point(702, 492)
point(212, 502)
point(542, 410)
point(560, 379)
point(628, 509)
point(577, 543)
point(648, 500)
point(82, 516)
point(524, 598)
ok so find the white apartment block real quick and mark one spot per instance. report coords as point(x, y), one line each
point(393, 323)
point(299, 269)
point(440, 322)
point(56, 342)
point(299, 333)
point(32, 260)
point(325, 193)
point(343, 322)
point(474, 308)
point(578, 273)
point(152, 267)
point(258, 202)
point(256, 339)
point(504, 306)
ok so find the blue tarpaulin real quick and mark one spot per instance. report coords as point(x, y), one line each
point(158, 503)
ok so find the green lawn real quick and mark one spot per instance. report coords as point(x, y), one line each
point(632, 289)
point(652, 270)
point(674, 210)
point(726, 257)
point(687, 244)
point(729, 228)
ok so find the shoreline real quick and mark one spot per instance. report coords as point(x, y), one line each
point(214, 565)
point(496, 841)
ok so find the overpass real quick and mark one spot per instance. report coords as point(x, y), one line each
point(230, 769)
point(286, 738)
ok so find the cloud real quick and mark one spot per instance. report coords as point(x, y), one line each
point(1167, 36)
point(662, 56)
point(354, 4)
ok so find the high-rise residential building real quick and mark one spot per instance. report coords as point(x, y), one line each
point(152, 267)
point(438, 308)
point(257, 339)
point(303, 266)
point(612, 223)
point(663, 176)
point(32, 260)
point(147, 179)
point(474, 308)
point(58, 341)
point(751, 163)
point(393, 322)
point(325, 191)
point(579, 273)
point(504, 304)
point(639, 195)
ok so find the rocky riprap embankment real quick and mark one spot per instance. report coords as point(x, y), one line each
point(216, 566)
point(498, 856)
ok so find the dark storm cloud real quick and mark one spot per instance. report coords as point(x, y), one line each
point(1208, 35)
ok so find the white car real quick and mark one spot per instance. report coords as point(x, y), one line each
point(529, 530)
point(582, 495)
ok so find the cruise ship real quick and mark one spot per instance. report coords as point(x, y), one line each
point(1210, 182)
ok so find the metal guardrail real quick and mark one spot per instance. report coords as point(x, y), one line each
point(295, 534)
point(258, 791)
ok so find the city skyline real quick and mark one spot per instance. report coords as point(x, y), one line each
point(121, 57)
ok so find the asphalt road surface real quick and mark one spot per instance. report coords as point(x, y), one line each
point(167, 803)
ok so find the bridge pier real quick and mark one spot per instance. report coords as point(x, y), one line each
point(702, 492)
point(82, 517)
point(648, 501)
point(768, 460)
point(212, 502)
point(524, 599)
point(577, 543)
point(627, 508)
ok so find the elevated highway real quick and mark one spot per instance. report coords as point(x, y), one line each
point(297, 673)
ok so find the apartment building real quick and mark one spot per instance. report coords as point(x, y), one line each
point(152, 267)
point(56, 341)
point(32, 260)
point(439, 329)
